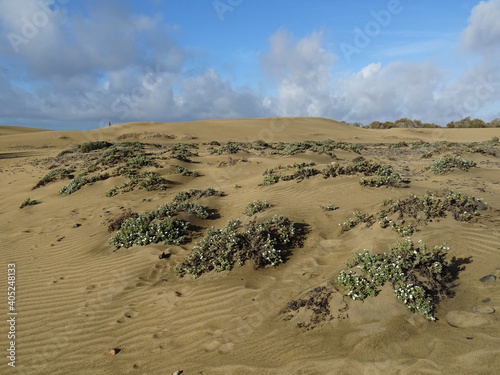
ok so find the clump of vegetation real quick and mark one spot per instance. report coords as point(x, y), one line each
point(263, 243)
point(330, 207)
point(144, 230)
point(358, 217)
point(182, 151)
point(91, 146)
point(117, 223)
point(140, 161)
point(402, 229)
point(420, 277)
point(229, 148)
point(28, 202)
point(158, 225)
point(64, 152)
point(185, 172)
point(80, 181)
point(53, 175)
point(256, 206)
point(399, 145)
point(317, 300)
point(149, 181)
point(449, 163)
point(433, 205)
point(197, 193)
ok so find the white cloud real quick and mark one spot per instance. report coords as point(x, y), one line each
point(483, 33)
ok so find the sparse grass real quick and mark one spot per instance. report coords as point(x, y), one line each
point(221, 249)
point(28, 202)
point(256, 206)
point(420, 277)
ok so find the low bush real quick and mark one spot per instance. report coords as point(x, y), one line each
point(358, 217)
point(144, 230)
point(420, 277)
point(449, 163)
point(28, 202)
point(53, 175)
point(256, 206)
point(185, 172)
point(90, 146)
point(221, 249)
point(117, 223)
point(80, 181)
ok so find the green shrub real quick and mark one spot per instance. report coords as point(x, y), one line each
point(80, 181)
point(222, 249)
point(449, 163)
point(229, 147)
point(28, 202)
point(256, 206)
point(184, 172)
point(141, 161)
point(144, 230)
point(330, 207)
point(420, 277)
point(186, 195)
point(54, 175)
point(358, 217)
point(433, 205)
point(90, 146)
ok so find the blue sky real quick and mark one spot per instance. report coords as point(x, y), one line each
point(74, 64)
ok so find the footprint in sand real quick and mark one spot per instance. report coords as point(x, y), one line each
point(127, 315)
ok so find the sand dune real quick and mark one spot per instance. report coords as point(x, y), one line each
point(76, 298)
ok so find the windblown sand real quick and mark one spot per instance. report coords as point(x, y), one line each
point(76, 299)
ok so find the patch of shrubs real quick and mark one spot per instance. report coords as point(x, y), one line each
point(256, 206)
point(265, 244)
point(184, 172)
point(80, 181)
point(28, 202)
point(449, 163)
point(117, 223)
point(182, 151)
point(91, 146)
point(53, 175)
point(144, 230)
point(358, 218)
point(433, 205)
point(149, 181)
point(158, 225)
point(229, 148)
point(420, 277)
point(197, 193)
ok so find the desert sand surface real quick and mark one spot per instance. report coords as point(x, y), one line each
point(83, 308)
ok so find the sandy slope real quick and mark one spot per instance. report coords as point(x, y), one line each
point(76, 298)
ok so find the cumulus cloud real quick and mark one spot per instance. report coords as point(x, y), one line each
point(109, 64)
point(483, 33)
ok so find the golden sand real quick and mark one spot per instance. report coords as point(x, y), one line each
point(84, 309)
